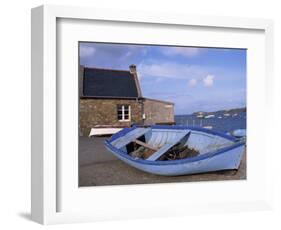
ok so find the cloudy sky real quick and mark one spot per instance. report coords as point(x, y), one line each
point(195, 79)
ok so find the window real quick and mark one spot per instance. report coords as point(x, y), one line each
point(123, 112)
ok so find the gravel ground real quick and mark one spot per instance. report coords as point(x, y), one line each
point(99, 167)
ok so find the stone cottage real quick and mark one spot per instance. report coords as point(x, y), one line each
point(113, 98)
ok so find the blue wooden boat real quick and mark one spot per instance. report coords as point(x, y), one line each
point(217, 151)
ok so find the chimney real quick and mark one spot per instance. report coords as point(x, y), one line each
point(133, 71)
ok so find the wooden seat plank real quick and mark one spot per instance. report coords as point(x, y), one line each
point(146, 145)
point(167, 146)
point(130, 137)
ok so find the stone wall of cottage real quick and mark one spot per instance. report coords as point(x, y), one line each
point(95, 112)
point(158, 112)
point(103, 112)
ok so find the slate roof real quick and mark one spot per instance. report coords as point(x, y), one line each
point(109, 83)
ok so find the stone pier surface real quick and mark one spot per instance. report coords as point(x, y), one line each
point(98, 167)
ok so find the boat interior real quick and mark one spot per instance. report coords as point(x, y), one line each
point(168, 144)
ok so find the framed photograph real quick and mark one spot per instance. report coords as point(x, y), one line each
point(136, 114)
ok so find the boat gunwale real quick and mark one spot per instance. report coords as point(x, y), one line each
point(179, 127)
point(180, 161)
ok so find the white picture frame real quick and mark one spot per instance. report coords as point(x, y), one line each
point(54, 201)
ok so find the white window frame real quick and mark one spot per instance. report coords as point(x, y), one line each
point(123, 113)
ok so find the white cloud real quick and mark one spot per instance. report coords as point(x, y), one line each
point(209, 80)
point(86, 51)
point(183, 51)
point(159, 79)
point(194, 74)
point(192, 82)
point(172, 71)
point(128, 54)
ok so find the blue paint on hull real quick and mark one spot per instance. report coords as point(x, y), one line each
point(228, 156)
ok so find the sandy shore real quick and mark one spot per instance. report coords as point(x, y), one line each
point(99, 167)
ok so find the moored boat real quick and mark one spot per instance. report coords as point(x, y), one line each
point(103, 131)
point(176, 150)
point(239, 133)
point(209, 116)
point(208, 127)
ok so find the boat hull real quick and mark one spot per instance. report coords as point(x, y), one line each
point(222, 159)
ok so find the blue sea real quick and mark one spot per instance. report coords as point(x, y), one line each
point(219, 121)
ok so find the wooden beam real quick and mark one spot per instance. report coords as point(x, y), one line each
point(168, 146)
point(146, 145)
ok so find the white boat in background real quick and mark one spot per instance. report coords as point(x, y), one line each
point(208, 127)
point(226, 114)
point(199, 114)
point(239, 133)
point(220, 117)
point(103, 131)
point(209, 116)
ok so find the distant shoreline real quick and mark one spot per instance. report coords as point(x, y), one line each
point(230, 111)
